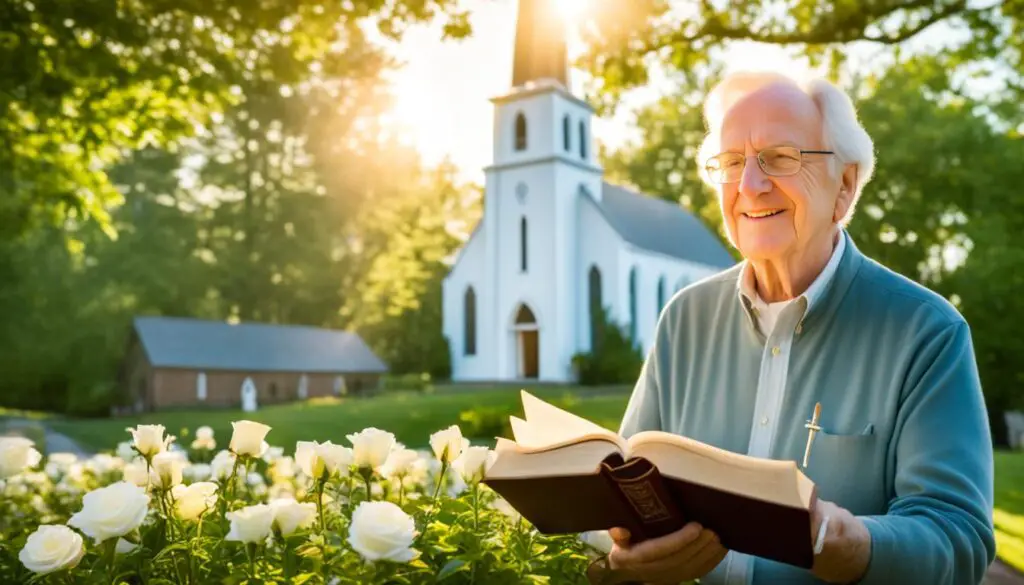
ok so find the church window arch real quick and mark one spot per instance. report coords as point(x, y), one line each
point(522, 243)
point(520, 131)
point(567, 133)
point(596, 305)
point(583, 140)
point(469, 322)
point(632, 304)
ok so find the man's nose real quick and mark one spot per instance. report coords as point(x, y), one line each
point(753, 181)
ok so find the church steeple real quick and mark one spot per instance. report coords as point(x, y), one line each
point(541, 44)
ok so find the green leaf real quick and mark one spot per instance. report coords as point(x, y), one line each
point(450, 568)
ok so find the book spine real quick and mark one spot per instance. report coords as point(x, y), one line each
point(648, 499)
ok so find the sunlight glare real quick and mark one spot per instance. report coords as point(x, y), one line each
point(571, 10)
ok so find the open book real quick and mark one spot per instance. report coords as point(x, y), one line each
point(566, 475)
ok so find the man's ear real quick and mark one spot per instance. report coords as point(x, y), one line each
point(847, 187)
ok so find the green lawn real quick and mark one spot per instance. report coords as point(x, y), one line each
point(412, 417)
point(1009, 512)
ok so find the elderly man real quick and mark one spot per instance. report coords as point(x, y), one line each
point(903, 461)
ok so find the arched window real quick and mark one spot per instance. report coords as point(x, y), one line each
point(566, 133)
point(661, 294)
point(632, 304)
point(596, 307)
point(469, 322)
point(520, 131)
point(522, 244)
point(583, 140)
point(524, 316)
point(201, 386)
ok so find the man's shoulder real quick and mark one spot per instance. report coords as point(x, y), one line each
point(900, 295)
point(710, 289)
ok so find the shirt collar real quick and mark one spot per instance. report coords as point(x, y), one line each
point(811, 295)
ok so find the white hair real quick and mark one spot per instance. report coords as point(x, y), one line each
point(843, 132)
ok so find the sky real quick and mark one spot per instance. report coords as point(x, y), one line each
point(443, 90)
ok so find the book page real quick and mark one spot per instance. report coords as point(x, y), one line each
point(548, 425)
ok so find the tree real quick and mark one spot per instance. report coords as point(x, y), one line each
point(624, 38)
point(398, 305)
point(87, 82)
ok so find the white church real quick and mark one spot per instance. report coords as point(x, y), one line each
point(556, 240)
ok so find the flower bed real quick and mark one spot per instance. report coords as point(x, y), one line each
point(373, 512)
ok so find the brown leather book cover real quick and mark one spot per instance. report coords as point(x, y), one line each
point(634, 495)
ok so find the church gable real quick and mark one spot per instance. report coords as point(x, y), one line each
point(656, 225)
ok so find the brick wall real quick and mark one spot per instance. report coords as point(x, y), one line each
point(178, 387)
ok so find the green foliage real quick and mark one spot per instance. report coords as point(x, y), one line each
point(407, 382)
point(625, 38)
point(88, 82)
point(615, 359)
point(486, 422)
point(459, 531)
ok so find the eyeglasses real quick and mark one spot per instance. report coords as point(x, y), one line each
point(777, 161)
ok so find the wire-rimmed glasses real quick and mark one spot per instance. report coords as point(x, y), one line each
point(777, 161)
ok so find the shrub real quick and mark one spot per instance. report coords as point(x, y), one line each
point(614, 359)
point(254, 514)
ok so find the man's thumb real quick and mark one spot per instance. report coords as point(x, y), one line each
point(619, 535)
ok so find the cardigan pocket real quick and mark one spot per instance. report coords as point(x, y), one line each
point(846, 468)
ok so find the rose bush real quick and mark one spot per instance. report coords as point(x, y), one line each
point(374, 511)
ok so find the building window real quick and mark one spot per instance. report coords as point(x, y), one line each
point(201, 386)
point(661, 294)
point(522, 244)
point(632, 304)
point(469, 319)
point(303, 387)
point(596, 307)
point(583, 140)
point(566, 133)
point(520, 131)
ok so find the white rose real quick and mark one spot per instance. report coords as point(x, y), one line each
point(247, 438)
point(204, 445)
point(204, 433)
point(600, 540)
point(166, 470)
point(124, 547)
point(198, 472)
point(149, 439)
point(103, 464)
point(319, 460)
point(222, 465)
point(371, 447)
point(16, 455)
point(58, 464)
point(272, 454)
point(136, 473)
point(283, 468)
point(111, 511)
point(382, 531)
point(290, 515)
point(250, 524)
point(400, 463)
point(52, 548)
point(125, 451)
point(474, 463)
point(191, 501)
point(448, 444)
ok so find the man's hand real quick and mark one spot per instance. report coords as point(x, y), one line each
point(846, 552)
point(686, 554)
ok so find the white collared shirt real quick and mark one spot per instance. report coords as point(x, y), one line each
point(779, 325)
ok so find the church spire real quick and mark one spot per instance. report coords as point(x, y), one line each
point(541, 44)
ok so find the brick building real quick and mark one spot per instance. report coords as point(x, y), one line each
point(178, 362)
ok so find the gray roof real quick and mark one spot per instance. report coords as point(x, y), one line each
point(175, 342)
point(660, 226)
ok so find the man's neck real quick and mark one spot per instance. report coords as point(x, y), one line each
point(783, 279)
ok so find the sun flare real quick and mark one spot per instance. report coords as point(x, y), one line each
point(571, 10)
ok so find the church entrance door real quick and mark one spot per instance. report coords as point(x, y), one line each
point(527, 343)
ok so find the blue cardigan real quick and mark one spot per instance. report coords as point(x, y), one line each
point(905, 442)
